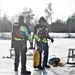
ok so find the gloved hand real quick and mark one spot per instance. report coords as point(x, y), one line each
point(52, 40)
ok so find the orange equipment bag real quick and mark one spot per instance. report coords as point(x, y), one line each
point(36, 58)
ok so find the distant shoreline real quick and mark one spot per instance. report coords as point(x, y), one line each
point(7, 35)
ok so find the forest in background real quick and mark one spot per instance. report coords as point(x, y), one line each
point(58, 26)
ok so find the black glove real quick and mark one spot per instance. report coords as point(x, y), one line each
point(52, 40)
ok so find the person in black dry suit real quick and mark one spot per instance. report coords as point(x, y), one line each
point(41, 37)
point(20, 37)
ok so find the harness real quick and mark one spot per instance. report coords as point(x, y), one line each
point(43, 33)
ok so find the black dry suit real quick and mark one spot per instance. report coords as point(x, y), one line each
point(20, 35)
point(41, 36)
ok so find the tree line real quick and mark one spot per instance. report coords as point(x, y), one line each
point(67, 26)
point(5, 24)
point(60, 26)
point(57, 26)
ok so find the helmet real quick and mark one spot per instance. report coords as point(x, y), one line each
point(42, 18)
point(21, 17)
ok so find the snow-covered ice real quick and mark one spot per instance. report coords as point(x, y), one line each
point(58, 48)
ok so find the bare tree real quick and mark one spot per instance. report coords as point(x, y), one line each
point(49, 12)
point(6, 24)
point(0, 21)
point(28, 15)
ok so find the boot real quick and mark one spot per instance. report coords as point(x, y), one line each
point(24, 71)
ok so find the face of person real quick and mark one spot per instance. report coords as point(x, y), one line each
point(42, 22)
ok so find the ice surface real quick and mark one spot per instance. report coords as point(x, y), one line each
point(58, 48)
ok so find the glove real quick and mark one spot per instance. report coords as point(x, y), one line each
point(52, 40)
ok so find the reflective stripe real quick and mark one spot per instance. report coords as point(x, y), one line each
point(36, 37)
point(18, 39)
point(30, 38)
point(44, 40)
point(23, 29)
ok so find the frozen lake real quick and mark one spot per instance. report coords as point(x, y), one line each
point(58, 48)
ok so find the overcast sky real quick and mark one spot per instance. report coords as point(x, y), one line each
point(62, 9)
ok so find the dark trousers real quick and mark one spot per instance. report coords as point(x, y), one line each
point(44, 47)
point(20, 48)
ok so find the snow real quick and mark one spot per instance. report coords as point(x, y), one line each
point(58, 48)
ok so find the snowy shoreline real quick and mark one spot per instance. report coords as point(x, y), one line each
point(6, 35)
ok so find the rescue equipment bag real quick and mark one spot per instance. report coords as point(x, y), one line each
point(36, 58)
